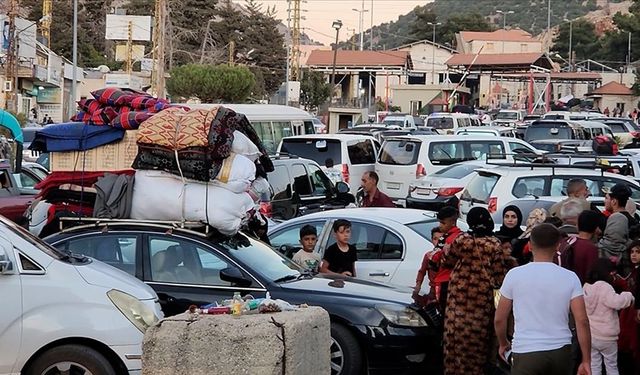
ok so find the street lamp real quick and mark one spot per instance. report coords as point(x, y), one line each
point(504, 17)
point(361, 23)
point(570, 44)
point(433, 50)
point(337, 24)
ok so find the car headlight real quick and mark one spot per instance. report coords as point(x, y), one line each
point(137, 312)
point(402, 315)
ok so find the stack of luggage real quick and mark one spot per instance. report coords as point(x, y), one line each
point(189, 165)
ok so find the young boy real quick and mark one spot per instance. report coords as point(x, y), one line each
point(340, 258)
point(425, 273)
point(306, 257)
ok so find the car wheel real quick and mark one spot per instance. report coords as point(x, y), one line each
point(71, 359)
point(346, 356)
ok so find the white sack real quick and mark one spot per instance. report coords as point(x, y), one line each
point(236, 174)
point(159, 195)
point(242, 145)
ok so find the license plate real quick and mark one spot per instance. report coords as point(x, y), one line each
point(423, 191)
point(393, 185)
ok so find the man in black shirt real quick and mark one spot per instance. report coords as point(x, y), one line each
point(340, 258)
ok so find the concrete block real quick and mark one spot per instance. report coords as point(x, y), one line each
point(189, 344)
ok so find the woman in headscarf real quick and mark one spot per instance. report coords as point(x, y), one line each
point(521, 244)
point(478, 266)
point(511, 222)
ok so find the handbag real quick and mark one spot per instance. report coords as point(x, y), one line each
point(496, 289)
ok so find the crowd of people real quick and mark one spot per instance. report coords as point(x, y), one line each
point(558, 297)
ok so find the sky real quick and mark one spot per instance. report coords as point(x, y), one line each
point(320, 14)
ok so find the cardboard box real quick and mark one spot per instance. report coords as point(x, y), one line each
point(111, 157)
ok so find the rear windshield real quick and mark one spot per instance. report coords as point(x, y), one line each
point(457, 170)
point(394, 121)
point(440, 122)
point(361, 153)
point(507, 116)
point(400, 152)
point(480, 187)
point(447, 153)
point(423, 228)
point(548, 132)
point(315, 149)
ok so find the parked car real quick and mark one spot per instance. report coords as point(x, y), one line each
point(190, 267)
point(556, 145)
point(509, 117)
point(68, 314)
point(30, 175)
point(573, 116)
point(493, 188)
point(13, 201)
point(447, 123)
point(353, 154)
point(390, 242)
point(402, 120)
point(402, 160)
point(623, 128)
point(28, 134)
point(444, 187)
point(498, 131)
point(594, 129)
point(528, 119)
point(300, 186)
point(554, 129)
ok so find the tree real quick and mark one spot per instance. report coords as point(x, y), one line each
point(211, 84)
point(420, 28)
point(314, 90)
point(584, 45)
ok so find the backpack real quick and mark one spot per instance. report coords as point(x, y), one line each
point(603, 145)
point(565, 257)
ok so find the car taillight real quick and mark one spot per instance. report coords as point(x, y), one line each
point(266, 209)
point(345, 173)
point(493, 205)
point(447, 192)
point(420, 171)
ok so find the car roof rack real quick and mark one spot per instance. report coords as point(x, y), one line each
point(284, 155)
point(542, 161)
point(195, 227)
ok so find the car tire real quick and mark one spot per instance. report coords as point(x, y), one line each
point(83, 359)
point(346, 356)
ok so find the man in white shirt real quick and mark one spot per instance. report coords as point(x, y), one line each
point(541, 295)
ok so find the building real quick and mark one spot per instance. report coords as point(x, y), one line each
point(429, 61)
point(614, 95)
point(498, 42)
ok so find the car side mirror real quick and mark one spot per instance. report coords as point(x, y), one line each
point(234, 276)
point(342, 187)
point(6, 266)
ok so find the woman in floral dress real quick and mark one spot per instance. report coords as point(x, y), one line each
point(479, 265)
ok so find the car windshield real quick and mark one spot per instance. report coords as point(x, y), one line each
point(400, 152)
point(507, 116)
point(457, 170)
point(440, 122)
point(547, 132)
point(33, 240)
point(480, 187)
point(260, 258)
point(316, 149)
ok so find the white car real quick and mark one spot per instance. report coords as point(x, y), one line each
point(623, 128)
point(509, 117)
point(391, 242)
point(447, 123)
point(495, 188)
point(353, 154)
point(404, 159)
point(68, 314)
point(498, 131)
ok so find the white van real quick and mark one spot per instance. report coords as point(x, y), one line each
point(402, 121)
point(272, 122)
point(404, 159)
point(68, 314)
point(447, 123)
point(568, 115)
point(353, 154)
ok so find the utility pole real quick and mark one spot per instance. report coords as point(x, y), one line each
point(371, 31)
point(548, 23)
point(232, 52)
point(74, 74)
point(45, 26)
point(295, 41)
point(433, 51)
point(157, 74)
point(130, 48)
point(361, 12)
point(11, 57)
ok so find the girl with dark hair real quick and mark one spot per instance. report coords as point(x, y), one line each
point(478, 266)
point(602, 304)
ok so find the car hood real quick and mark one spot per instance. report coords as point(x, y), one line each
point(369, 292)
point(104, 275)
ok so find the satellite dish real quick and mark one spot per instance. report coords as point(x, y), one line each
point(104, 69)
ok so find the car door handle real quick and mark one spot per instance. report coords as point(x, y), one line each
point(385, 274)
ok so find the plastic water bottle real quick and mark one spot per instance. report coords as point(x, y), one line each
point(236, 304)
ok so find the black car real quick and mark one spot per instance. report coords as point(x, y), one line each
point(299, 186)
point(374, 327)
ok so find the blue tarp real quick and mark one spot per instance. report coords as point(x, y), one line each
point(74, 136)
